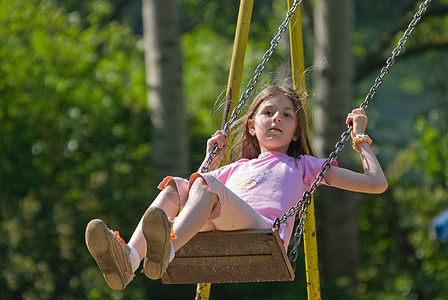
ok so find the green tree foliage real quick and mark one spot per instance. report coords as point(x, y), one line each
point(402, 260)
point(207, 42)
point(74, 132)
point(399, 259)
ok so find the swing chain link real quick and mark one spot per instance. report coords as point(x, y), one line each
point(252, 82)
point(302, 205)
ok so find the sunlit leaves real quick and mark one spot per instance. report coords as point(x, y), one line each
point(402, 217)
point(75, 141)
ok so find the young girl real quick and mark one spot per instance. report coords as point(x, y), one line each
point(251, 193)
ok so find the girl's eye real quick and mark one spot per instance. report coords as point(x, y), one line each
point(269, 113)
point(287, 115)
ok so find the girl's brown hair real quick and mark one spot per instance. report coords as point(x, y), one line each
point(247, 146)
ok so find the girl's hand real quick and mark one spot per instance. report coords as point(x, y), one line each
point(218, 138)
point(358, 120)
point(372, 180)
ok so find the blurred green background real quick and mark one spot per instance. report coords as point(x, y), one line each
point(75, 141)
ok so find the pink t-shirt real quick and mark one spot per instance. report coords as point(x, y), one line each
point(272, 183)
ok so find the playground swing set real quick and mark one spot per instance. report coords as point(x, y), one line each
point(259, 255)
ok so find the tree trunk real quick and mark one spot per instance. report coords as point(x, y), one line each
point(164, 87)
point(333, 88)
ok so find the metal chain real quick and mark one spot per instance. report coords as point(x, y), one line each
point(302, 206)
point(252, 82)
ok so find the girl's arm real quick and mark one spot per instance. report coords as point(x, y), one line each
point(373, 179)
point(220, 139)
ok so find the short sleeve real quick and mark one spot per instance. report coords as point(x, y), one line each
point(312, 166)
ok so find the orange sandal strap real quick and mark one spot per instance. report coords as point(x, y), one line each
point(117, 235)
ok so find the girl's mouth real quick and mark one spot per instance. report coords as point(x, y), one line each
point(275, 129)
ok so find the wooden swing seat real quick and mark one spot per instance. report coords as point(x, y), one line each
point(230, 257)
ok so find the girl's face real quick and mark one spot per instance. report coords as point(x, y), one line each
point(274, 124)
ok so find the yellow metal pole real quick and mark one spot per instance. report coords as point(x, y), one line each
point(203, 291)
point(237, 62)
point(309, 234)
point(296, 48)
point(233, 86)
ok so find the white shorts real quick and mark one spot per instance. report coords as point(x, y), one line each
point(231, 213)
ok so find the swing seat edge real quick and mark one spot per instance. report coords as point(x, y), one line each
point(253, 255)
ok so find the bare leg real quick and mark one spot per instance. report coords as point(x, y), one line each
point(195, 213)
point(156, 228)
point(168, 200)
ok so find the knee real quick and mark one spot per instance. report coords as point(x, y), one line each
point(200, 185)
point(200, 188)
point(169, 198)
point(171, 188)
point(170, 191)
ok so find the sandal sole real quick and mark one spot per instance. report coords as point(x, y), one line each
point(157, 232)
point(101, 247)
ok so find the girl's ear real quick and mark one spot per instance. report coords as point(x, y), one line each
point(296, 136)
point(251, 127)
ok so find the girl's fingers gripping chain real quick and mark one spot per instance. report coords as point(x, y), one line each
point(221, 138)
point(358, 120)
point(218, 138)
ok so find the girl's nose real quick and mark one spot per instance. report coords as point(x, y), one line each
point(277, 117)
